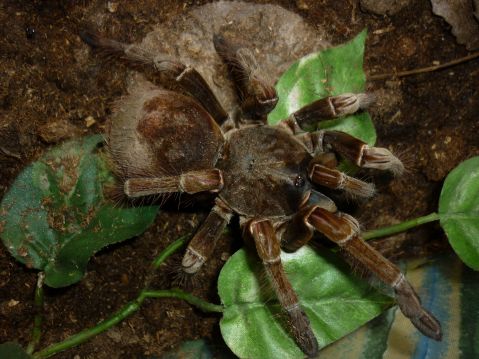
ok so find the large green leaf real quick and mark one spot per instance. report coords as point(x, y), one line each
point(335, 301)
point(55, 215)
point(329, 72)
point(459, 211)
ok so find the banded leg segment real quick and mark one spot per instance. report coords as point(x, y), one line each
point(328, 108)
point(344, 230)
point(257, 96)
point(334, 179)
point(269, 251)
point(185, 76)
point(360, 153)
point(189, 182)
point(203, 243)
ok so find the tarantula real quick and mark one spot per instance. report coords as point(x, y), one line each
point(164, 142)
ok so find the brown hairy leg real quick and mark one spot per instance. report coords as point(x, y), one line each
point(269, 251)
point(138, 58)
point(327, 108)
point(344, 230)
point(203, 243)
point(257, 96)
point(297, 232)
point(334, 179)
point(360, 153)
point(188, 182)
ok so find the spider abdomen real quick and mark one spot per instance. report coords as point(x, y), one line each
point(161, 132)
point(264, 170)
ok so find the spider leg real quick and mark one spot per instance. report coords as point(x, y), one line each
point(360, 153)
point(203, 243)
point(344, 230)
point(320, 143)
point(141, 59)
point(188, 182)
point(327, 108)
point(269, 251)
point(257, 96)
point(334, 179)
point(297, 232)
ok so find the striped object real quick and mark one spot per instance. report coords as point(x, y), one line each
point(449, 290)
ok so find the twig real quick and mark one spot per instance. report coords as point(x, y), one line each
point(461, 60)
point(10, 154)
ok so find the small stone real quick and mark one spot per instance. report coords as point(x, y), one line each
point(112, 6)
point(302, 4)
point(12, 303)
point(224, 256)
point(89, 121)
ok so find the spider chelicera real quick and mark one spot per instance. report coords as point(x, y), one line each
point(164, 142)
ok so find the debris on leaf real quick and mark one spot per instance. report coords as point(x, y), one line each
point(460, 15)
point(56, 131)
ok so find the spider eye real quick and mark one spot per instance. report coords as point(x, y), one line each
point(299, 181)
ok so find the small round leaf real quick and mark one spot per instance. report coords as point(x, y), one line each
point(459, 211)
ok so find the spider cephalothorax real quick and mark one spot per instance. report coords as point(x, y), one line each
point(270, 176)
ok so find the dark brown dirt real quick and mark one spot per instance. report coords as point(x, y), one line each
point(50, 90)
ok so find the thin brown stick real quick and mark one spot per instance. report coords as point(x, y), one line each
point(455, 62)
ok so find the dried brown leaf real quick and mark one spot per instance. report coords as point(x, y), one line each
point(460, 15)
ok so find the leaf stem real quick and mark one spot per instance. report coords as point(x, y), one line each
point(177, 293)
point(400, 227)
point(86, 334)
point(168, 251)
point(131, 307)
point(37, 322)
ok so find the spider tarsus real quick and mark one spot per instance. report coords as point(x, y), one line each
point(97, 41)
point(302, 332)
point(410, 305)
point(181, 279)
point(192, 261)
point(382, 159)
point(349, 103)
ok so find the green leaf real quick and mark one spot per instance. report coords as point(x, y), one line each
point(335, 302)
point(55, 215)
point(13, 350)
point(325, 73)
point(459, 211)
